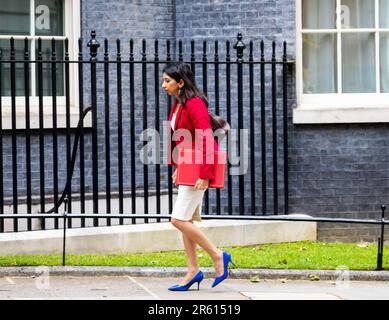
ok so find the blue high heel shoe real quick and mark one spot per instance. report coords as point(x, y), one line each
point(197, 278)
point(226, 261)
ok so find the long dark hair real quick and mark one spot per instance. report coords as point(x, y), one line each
point(180, 70)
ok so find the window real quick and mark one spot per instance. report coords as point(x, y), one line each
point(342, 61)
point(45, 19)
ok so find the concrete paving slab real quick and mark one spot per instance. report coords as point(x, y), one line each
point(71, 288)
point(311, 290)
point(288, 296)
point(206, 292)
point(148, 288)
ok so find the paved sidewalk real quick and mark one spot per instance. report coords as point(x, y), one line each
point(152, 283)
point(140, 288)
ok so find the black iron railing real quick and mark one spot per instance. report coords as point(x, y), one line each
point(251, 93)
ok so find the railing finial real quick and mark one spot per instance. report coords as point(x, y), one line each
point(93, 44)
point(239, 46)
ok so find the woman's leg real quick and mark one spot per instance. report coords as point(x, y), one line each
point(195, 235)
point(193, 266)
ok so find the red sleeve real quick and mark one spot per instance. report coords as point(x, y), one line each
point(199, 116)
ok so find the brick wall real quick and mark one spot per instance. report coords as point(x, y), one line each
point(340, 171)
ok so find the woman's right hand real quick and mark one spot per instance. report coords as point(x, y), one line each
point(174, 176)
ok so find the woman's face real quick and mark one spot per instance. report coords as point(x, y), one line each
point(170, 85)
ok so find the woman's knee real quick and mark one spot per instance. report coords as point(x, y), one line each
point(175, 223)
point(178, 223)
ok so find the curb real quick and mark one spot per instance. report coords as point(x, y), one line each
point(173, 272)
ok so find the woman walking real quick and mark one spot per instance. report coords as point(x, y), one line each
point(190, 112)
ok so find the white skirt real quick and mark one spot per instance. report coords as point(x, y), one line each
point(188, 204)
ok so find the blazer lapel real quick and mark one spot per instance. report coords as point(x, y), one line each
point(177, 117)
point(172, 110)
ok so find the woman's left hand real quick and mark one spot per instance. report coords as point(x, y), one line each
point(202, 184)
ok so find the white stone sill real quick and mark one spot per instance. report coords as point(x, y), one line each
point(47, 118)
point(324, 115)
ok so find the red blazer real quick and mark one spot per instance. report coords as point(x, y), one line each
point(194, 115)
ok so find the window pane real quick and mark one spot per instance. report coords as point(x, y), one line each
point(319, 63)
point(358, 63)
point(60, 71)
point(15, 17)
point(384, 13)
point(357, 14)
point(319, 14)
point(384, 57)
point(49, 18)
point(5, 52)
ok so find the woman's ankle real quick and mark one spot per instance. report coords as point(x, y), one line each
point(193, 270)
point(218, 254)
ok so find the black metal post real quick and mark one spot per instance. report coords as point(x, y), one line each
point(120, 126)
point(81, 111)
point(180, 52)
point(69, 166)
point(107, 132)
point(275, 131)
point(93, 44)
point(145, 111)
point(42, 166)
point(263, 131)
point(157, 125)
point(228, 105)
point(55, 131)
point(193, 58)
point(380, 253)
point(28, 132)
point(132, 124)
point(239, 47)
point(285, 129)
point(252, 129)
point(64, 231)
point(14, 142)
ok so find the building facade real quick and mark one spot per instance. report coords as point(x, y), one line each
point(338, 90)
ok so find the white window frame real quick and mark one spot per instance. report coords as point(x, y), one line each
point(338, 107)
point(72, 25)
